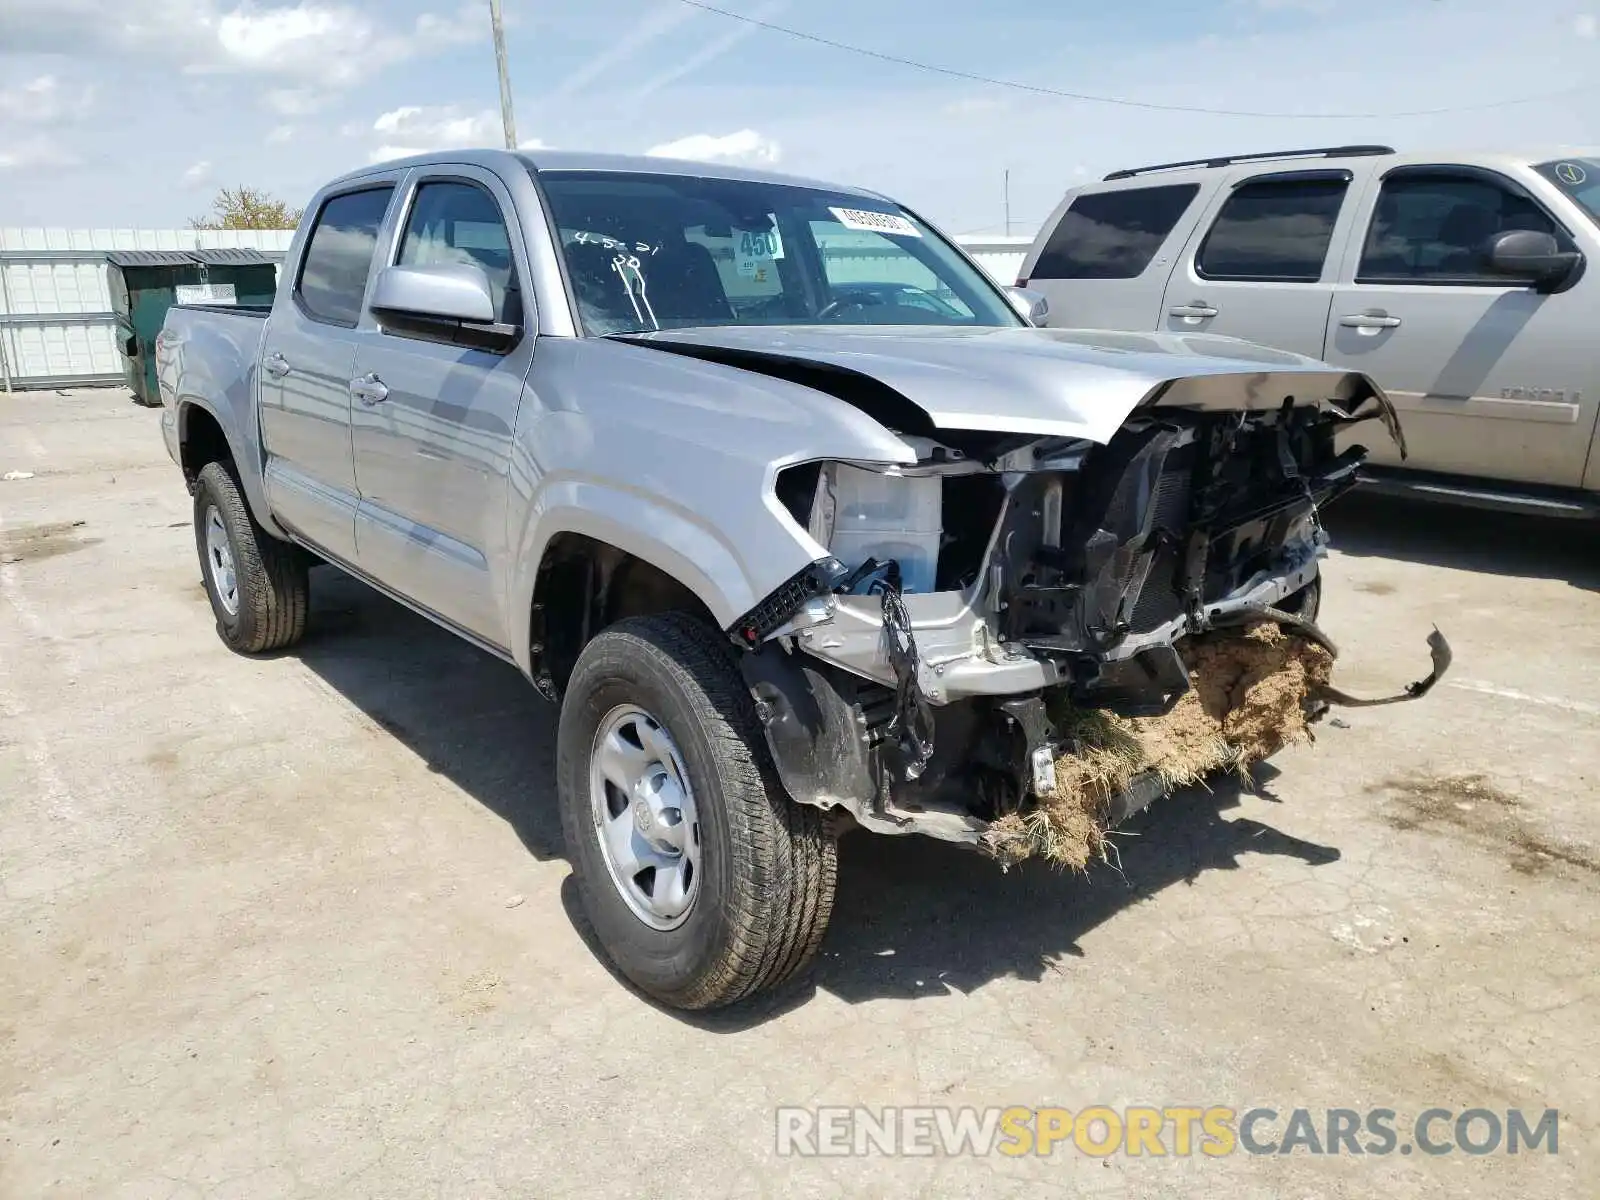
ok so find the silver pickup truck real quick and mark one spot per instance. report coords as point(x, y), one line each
point(796, 513)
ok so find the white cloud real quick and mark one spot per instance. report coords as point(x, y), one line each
point(746, 146)
point(1586, 25)
point(197, 174)
point(36, 152)
point(279, 134)
point(43, 101)
point(416, 129)
point(331, 46)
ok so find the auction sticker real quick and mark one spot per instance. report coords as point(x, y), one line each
point(1571, 174)
point(892, 224)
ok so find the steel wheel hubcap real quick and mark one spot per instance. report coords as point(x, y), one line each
point(219, 561)
point(644, 816)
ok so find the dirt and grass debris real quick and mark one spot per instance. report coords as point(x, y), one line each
point(1247, 700)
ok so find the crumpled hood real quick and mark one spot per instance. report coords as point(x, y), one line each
point(1058, 382)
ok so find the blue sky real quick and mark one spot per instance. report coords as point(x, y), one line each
point(133, 112)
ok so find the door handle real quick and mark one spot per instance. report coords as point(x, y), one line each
point(1193, 312)
point(369, 389)
point(276, 364)
point(1372, 321)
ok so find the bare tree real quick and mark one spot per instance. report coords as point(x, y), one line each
point(247, 208)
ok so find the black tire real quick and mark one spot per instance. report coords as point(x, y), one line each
point(767, 865)
point(273, 586)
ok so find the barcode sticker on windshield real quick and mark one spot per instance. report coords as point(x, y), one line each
point(892, 224)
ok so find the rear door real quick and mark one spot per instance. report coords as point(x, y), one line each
point(1491, 378)
point(432, 456)
point(1109, 253)
point(1261, 264)
point(307, 353)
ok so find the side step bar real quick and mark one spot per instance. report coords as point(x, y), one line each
point(1474, 493)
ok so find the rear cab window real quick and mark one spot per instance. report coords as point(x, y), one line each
point(338, 255)
point(1274, 229)
point(1115, 234)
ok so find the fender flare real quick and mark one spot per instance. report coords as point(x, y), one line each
point(650, 529)
point(245, 456)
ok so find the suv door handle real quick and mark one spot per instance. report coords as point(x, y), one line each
point(1193, 311)
point(1369, 320)
point(369, 389)
point(276, 364)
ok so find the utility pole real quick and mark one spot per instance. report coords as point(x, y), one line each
point(1008, 201)
point(507, 119)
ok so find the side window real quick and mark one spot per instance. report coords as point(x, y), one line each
point(1113, 235)
point(454, 222)
point(1435, 228)
point(1273, 231)
point(333, 275)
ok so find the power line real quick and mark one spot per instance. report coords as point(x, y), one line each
point(1120, 101)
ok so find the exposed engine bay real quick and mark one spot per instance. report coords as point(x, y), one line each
point(918, 677)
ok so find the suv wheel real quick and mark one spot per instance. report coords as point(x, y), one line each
point(703, 881)
point(259, 586)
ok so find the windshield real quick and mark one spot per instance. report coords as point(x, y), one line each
point(646, 252)
point(1578, 178)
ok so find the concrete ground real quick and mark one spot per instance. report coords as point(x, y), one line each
point(301, 925)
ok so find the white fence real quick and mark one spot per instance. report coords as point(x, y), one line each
point(56, 325)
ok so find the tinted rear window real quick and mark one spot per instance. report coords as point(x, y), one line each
point(1113, 235)
point(338, 257)
point(1278, 230)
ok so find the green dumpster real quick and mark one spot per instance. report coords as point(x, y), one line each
point(145, 283)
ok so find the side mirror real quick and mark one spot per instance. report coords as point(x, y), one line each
point(451, 302)
point(453, 292)
point(1033, 307)
point(1530, 255)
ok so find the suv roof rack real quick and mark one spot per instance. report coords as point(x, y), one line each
point(1228, 160)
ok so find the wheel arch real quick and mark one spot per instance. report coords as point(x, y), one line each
point(207, 434)
point(659, 552)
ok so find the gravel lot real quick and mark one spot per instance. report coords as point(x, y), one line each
point(301, 925)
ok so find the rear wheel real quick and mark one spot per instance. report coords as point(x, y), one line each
point(703, 881)
point(259, 586)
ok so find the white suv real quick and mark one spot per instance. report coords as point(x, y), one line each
point(1457, 281)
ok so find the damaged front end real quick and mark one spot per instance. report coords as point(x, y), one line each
point(990, 620)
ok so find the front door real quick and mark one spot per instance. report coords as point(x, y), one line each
point(1260, 267)
point(306, 360)
point(1490, 377)
point(432, 454)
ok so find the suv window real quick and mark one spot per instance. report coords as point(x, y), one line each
point(1113, 235)
point(1273, 230)
point(1578, 178)
point(1435, 227)
point(454, 222)
point(338, 258)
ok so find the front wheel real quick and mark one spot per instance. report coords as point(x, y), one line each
point(259, 586)
point(704, 882)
